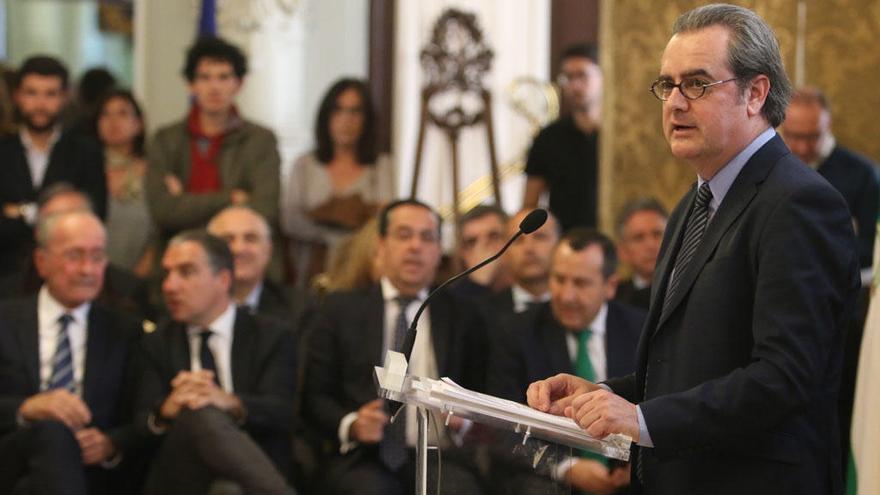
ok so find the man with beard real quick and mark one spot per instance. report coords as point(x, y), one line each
point(41, 154)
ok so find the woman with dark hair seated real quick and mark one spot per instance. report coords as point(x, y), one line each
point(130, 230)
point(337, 187)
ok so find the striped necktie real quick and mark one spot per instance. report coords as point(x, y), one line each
point(62, 362)
point(392, 449)
point(693, 234)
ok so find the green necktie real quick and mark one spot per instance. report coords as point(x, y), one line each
point(583, 367)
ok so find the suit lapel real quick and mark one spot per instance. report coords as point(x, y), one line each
point(23, 170)
point(441, 333)
point(741, 193)
point(243, 334)
point(554, 337)
point(97, 345)
point(179, 348)
point(613, 354)
point(28, 334)
point(374, 328)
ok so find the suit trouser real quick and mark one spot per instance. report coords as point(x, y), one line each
point(42, 458)
point(204, 446)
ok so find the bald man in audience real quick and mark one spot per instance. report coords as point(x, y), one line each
point(122, 290)
point(250, 239)
point(65, 425)
point(807, 132)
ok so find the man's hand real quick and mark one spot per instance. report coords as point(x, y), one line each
point(184, 388)
point(593, 477)
point(554, 394)
point(239, 197)
point(173, 184)
point(602, 413)
point(11, 210)
point(56, 405)
point(96, 447)
point(369, 427)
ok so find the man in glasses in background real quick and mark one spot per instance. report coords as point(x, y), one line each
point(563, 160)
point(738, 364)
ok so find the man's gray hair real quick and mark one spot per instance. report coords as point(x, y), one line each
point(752, 50)
point(46, 224)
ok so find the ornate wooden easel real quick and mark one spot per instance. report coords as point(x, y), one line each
point(455, 62)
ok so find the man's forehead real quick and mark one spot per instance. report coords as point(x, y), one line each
point(694, 53)
point(411, 216)
point(213, 65)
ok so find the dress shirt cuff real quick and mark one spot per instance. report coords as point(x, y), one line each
point(561, 471)
point(20, 421)
point(113, 461)
point(605, 387)
point(644, 436)
point(156, 426)
point(28, 213)
point(459, 436)
point(345, 442)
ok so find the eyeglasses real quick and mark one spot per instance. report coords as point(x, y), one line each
point(565, 79)
point(691, 88)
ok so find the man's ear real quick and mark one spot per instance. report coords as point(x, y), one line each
point(756, 94)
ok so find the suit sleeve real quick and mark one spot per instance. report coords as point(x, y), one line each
point(270, 407)
point(175, 213)
point(805, 272)
point(506, 375)
point(323, 375)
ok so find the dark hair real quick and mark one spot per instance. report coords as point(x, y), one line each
point(219, 256)
point(42, 65)
point(366, 146)
point(579, 50)
point(635, 206)
point(481, 211)
point(580, 238)
point(752, 50)
point(385, 214)
point(94, 83)
point(215, 49)
point(124, 94)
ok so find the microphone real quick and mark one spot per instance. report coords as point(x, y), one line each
point(532, 222)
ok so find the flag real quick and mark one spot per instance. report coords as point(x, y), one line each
point(208, 18)
point(863, 472)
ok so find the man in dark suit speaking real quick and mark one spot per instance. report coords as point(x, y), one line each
point(737, 368)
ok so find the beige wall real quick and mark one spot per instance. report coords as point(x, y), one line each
point(839, 56)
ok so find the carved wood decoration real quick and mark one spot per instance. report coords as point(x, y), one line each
point(455, 62)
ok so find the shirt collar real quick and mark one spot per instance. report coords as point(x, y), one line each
point(52, 309)
point(390, 292)
point(640, 282)
point(28, 143)
point(721, 182)
point(253, 298)
point(598, 323)
point(221, 326)
point(521, 295)
point(826, 146)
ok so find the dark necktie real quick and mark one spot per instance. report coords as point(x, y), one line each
point(392, 448)
point(62, 361)
point(693, 234)
point(206, 357)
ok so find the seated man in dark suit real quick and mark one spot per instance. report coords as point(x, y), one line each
point(250, 239)
point(40, 155)
point(639, 232)
point(351, 334)
point(216, 384)
point(480, 235)
point(64, 416)
point(122, 290)
point(580, 331)
point(528, 261)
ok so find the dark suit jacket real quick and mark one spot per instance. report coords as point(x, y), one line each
point(284, 303)
point(346, 342)
point(738, 383)
point(628, 294)
point(534, 348)
point(74, 159)
point(263, 376)
point(856, 178)
point(110, 338)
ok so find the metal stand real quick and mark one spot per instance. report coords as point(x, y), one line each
point(422, 452)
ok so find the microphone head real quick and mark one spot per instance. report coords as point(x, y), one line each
point(533, 221)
